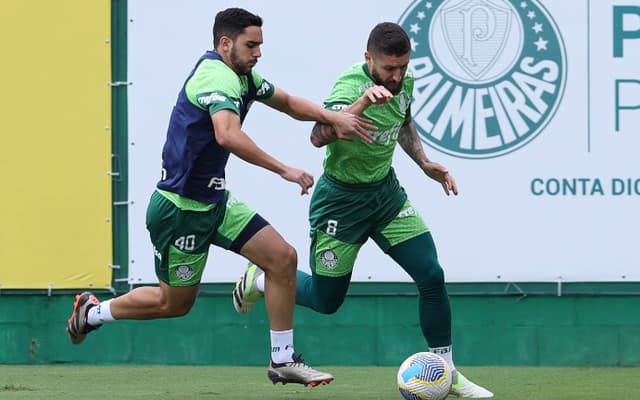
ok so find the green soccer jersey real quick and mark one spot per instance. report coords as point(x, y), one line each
point(214, 86)
point(358, 161)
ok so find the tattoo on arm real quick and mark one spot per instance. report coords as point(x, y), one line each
point(411, 144)
point(322, 134)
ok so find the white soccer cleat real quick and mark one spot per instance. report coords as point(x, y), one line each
point(297, 371)
point(466, 389)
point(245, 294)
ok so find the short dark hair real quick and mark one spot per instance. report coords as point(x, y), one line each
point(389, 39)
point(232, 22)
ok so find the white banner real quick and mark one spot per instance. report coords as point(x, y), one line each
point(534, 107)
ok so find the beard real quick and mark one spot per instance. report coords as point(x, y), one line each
point(393, 87)
point(241, 67)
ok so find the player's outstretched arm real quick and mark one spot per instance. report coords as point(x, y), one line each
point(229, 135)
point(411, 144)
point(321, 134)
point(346, 125)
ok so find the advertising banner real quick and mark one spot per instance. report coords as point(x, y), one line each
point(532, 105)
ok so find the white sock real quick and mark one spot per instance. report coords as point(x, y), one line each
point(445, 352)
point(259, 281)
point(100, 314)
point(282, 346)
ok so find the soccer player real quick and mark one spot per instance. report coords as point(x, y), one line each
point(191, 209)
point(359, 197)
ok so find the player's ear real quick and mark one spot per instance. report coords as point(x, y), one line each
point(225, 43)
point(368, 58)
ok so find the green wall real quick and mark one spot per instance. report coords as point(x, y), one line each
point(382, 329)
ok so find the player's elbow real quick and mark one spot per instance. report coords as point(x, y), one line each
point(223, 140)
point(318, 137)
point(316, 141)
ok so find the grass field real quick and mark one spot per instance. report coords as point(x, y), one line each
point(123, 382)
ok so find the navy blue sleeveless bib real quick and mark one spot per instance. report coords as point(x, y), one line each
point(193, 162)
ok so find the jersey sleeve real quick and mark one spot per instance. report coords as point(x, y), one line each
point(343, 94)
point(409, 82)
point(264, 88)
point(214, 87)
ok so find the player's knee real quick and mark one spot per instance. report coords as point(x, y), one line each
point(174, 310)
point(431, 277)
point(283, 263)
point(182, 310)
point(290, 259)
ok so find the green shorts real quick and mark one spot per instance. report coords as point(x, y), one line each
point(344, 216)
point(182, 230)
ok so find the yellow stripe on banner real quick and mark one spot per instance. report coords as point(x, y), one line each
point(55, 102)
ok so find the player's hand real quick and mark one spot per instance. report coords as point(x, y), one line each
point(378, 95)
point(302, 178)
point(440, 174)
point(347, 125)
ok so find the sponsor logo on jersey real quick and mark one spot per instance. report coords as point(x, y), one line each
point(206, 100)
point(339, 107)
point(264, 89)
point(217, 183)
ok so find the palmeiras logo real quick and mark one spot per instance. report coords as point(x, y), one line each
point(185, 272)
point(489, 74)
point(329, 259)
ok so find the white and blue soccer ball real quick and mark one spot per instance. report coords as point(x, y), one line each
point(424, 376)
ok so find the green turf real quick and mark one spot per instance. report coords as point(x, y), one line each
point(120, 382)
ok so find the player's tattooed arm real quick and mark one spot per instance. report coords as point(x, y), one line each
point(322, 134)
point(410, 142)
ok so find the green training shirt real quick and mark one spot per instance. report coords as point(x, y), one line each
point(358, 161)
point(214, 86)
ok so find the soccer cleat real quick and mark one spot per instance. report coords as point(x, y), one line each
point(466, 389)
point(297, 371)
point(245, 294)
point(77, 326)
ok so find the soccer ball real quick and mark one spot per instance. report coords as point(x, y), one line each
point(424, 376)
